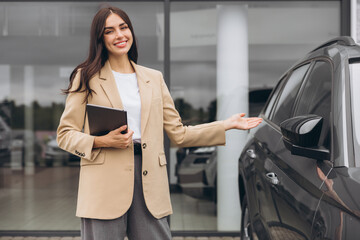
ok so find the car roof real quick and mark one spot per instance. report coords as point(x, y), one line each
point(344, 46)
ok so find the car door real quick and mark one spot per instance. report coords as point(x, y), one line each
point(297, 192)
point(253, 159)
point(261, 155)
point(256, 160)
point(338, 215)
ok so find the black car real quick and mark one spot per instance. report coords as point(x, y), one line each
point(299, 173)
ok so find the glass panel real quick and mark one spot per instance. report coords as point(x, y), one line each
point(274, 46)
point(284, 106)
point(274, 96)
point(316, 98)
point(355, 108)
point(41, 43)
point(193, 88)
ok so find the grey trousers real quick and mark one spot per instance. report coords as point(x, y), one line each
point(137, 223)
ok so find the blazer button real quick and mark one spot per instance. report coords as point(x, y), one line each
point(144, 145)
point(145, 173)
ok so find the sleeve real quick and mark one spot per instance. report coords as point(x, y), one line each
point(208, 134)
point(69, 133)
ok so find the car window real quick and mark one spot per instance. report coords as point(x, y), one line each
point(286, 100)
point(316, 98)
point(273, 96)
point(355, 107)
point(257, 100)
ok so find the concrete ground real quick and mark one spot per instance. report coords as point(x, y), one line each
point(78, 238)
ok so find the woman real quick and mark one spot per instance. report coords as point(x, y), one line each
point(123, 186)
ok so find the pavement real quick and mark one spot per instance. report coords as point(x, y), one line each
point(78, 238)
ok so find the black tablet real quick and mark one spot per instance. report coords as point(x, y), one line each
point(102, 119)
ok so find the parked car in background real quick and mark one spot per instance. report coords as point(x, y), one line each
point(299, 173)
point(196, 168)
point(56, 156)
point(197, 173)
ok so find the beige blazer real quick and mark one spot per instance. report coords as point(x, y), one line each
point(107, 174)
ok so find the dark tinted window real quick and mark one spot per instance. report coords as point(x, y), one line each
point(257, 100)
point(273, 98)
point(316, 98)
point(286, 100)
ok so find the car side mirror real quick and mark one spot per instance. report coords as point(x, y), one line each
point(301, 136)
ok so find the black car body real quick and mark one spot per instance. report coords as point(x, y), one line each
point(299, 173)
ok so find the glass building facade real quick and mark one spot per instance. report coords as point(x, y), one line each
point(42, 42)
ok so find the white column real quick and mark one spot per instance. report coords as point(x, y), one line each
point(4, 82)
point(353, 19)
point(232, 97)
point(29, 120)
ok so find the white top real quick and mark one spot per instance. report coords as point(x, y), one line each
point(130, 96)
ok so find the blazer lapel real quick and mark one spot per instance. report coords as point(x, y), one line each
point(109, 86)
point(145, 95)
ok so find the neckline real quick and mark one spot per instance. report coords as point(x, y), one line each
point(124, 74)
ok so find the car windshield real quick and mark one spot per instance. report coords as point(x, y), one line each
point(355, 105)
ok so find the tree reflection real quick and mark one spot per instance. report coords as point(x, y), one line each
point(45, 117)
point(192, 116)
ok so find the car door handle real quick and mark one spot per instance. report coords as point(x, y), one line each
point(272, 178)
point(251, 153)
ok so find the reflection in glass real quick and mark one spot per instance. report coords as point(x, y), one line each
point(355, 108)
point(47, 40)
point(274, 45)
point(41, 43)
point(287, 97)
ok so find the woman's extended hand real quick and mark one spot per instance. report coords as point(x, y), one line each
point(115, 139)
point(238, 121)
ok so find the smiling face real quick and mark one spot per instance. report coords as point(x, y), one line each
point(117, 36)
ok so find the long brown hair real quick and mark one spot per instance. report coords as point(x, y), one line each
point(97, 52)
